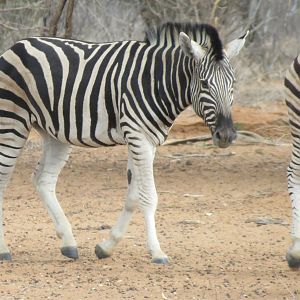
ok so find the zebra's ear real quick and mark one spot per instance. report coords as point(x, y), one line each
point(191, 48)
point(233, 48)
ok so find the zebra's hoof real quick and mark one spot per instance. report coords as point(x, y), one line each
point(100, 252)
point(294, 263)
point(70, 252)
point(5, 256)
point(160, 261)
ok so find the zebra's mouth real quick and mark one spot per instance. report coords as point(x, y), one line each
point(224, 137)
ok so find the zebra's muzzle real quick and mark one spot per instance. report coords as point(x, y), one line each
point(224, 134)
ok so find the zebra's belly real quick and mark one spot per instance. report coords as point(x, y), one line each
point(109, 137)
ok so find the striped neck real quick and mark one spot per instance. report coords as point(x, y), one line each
point(173, 72)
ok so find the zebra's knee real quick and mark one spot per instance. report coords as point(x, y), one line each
point(132, 200)
point(36, 179)
point(132, 203)
point(44, 183)
point(43, 179)
point(35, 176)
point(148, 203)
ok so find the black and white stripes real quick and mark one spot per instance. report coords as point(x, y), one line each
point(127, 92)
point(292, 96)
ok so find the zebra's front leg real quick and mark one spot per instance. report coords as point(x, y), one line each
point(55, 155)
point(106, 248)
point(142, 192)
point(143, 154)
point(143, 157)
point(293, 253)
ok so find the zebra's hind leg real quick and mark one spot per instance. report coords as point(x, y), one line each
point(54, 157)
point(11, 145)
point(105, 249)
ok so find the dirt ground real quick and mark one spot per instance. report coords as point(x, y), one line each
point(210, 202)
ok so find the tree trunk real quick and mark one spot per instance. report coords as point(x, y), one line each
point(68, 31)
point(55, 19)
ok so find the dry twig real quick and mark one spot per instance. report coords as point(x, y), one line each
point(247, 137)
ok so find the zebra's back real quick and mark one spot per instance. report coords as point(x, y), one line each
point(71, 89)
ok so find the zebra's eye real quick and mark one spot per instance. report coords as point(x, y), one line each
point(204, 84)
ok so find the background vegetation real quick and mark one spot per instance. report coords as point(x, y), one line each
point(274, 25)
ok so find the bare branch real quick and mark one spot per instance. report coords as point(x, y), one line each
point(68, 32)
point(30, 7)
point(213, 12)
point(56, 17)
point(6, 26)
point(10, 27)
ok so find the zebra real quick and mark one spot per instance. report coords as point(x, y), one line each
point(77, 93)
point(292, 97)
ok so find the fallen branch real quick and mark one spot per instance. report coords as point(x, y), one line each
point(192, 140)
point(266, 221)
point(29, 7)
point(244, 136)
point(183, 155)
point(10, 26)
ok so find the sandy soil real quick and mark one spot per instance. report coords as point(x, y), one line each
point(206, 220)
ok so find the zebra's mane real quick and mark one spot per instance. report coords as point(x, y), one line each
point(168, 33)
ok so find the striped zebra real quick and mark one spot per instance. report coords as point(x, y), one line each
point(127, 92)
point(292, 96)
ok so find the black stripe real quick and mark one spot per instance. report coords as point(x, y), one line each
point(9, 95)
point(175, 62)
point(32, 64)
point(296, 136)
point(159, 81)
point(155, 104)
point(169, 63)
point(292, 88)
point(86, 77)
point(14, 116)
point(109, 105)
point(296, 155)
point(95, 93)
point(5, 165)
point(13, 73)
point(297, 66)
point(87, 47)
point(296, 146)
point(9, 146)
point(8, 156)
point(140, 102)
point(132, 103)
point(133, 145)
point(56, 70)
point(15, 132)
point(296, 125)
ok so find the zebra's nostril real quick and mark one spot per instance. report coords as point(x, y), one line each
point(218, 135)
point(224, 137)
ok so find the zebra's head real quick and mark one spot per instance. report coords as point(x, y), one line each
point(212, 81)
